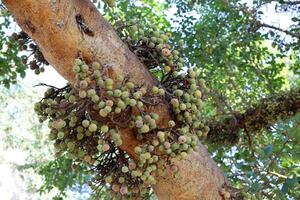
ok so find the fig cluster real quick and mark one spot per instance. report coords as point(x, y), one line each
point(87, 119)
point(34, 57)
point(152, 46)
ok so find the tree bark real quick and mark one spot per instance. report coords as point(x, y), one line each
point(52, 25)
point(256, 118)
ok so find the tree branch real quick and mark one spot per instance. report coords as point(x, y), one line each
point(296, 35)
point(261, 116)
point(53, 26)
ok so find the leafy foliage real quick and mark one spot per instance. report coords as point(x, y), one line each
point(10, 63)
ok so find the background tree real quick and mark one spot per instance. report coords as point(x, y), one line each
point(225, 41)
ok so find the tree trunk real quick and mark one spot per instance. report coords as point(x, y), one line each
point(52, 25)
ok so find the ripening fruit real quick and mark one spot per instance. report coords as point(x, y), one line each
point(124, 190)
point(109, 103)
point(144, 129)
point(58, 124)
point(175, 103)
point(125, 95)
point(121, 179)
point(140, 104)
point(115, 187)
point(130, 85)
point(159, 47)
point(150, 148)
point(136, 95)
point(85, 123)
point(183, 155)
point(155, 142)
point(83, 84)
point(121, 104)
point(117, 93)
point(182, 139)
point(79, 136)
point(182, 106)
point(84, 68)
point(107, 109)
point(161, 92)
point(151, 45)
point(125, 169)
point(147, 155)
point(82, 94)
point(78, 62)
point(168, 69)
point(97, 74)
point(137, 149)
point(103, 113)
point(79, 129)
point(96, 65)
point(91, 92)
point(160, 135)
point(109, 82)
point(110, 93)
point(72, 99)
point(100, 82)
point(60, 135)
point(111, 3)
point(193, 87)
point(105, 147)
point(171, 123)
point(71, 146)
point(179, 93)
point(120, 78)
point(139, 123)
point(95, 98)
point(147, 117)
point(108, 179)
point(198, 94)
point(154, 116)
point(104, 128)
point(199, 133)
point(101, 104)
point(165, 52)
point(117, 110)
point(76, 69)
point(132, 102)
point(206, 129)
point(155, 90)
point(192, 73)
point(152, 124)
point(167, 145)
point(118, 142)
point(92, 127)
point(134, 29)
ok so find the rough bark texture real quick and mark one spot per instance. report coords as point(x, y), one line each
point(258, 117)
point(52, 25)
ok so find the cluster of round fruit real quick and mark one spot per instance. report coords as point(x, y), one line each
point(85, 121)
point(187, 104)
point(152, 46)
point(37, 60)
